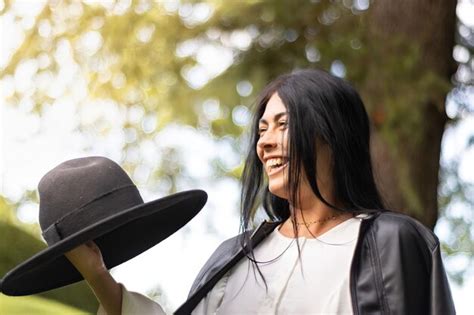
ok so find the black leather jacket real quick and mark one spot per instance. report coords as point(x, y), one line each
point(396, 268)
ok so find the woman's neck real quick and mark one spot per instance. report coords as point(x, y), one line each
point(312, 219)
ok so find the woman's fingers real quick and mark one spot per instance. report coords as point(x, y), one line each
point(87, 258)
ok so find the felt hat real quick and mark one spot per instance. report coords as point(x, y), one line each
point(93, 198)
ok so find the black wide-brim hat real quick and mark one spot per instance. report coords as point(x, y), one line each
point(94, 199)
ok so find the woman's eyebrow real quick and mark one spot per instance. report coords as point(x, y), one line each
point(275, 118)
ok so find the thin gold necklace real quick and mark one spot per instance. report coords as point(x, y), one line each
point(333, 217)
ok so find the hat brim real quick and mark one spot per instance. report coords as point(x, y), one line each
point(120, 238)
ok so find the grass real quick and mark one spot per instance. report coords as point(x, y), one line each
point(35, 305)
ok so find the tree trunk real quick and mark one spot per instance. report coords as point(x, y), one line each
point(407, 80)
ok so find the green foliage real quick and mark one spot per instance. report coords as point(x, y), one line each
point(12, 251)
point(140, 59)
point(35, 305)
point(18, 244)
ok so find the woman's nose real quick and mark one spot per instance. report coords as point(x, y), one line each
point(267, 140)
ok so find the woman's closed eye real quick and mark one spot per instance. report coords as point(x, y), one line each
point(282, 125)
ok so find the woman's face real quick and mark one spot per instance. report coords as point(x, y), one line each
point(272, 148)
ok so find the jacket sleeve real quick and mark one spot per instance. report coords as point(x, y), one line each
point(408, 257)
point(441, 301)
point(440, 295)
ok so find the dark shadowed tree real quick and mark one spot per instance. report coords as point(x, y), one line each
point(406, 84)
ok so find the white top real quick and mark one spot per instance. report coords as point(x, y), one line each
point(315, 283)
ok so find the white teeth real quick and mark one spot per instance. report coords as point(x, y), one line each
point(275, 162)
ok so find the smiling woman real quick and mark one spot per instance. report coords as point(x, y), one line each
point(317, 124)
point(330, 246)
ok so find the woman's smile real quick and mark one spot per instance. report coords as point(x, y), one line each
point(275, 165)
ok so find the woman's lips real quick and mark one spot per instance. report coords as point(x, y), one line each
point(271, 170)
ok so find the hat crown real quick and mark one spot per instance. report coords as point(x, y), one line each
point(80, 183)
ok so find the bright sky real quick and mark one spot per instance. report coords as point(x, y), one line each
point(32, 144)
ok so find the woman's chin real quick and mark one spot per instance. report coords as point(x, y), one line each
point(278, 190)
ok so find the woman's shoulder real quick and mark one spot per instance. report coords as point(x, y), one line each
point(395, 226)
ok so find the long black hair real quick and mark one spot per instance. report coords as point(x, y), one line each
point(324, 107)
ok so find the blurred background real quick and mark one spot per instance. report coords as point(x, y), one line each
point(166, 88)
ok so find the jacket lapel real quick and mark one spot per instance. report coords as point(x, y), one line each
point(223, 259)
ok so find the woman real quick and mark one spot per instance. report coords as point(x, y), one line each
point(331, 248)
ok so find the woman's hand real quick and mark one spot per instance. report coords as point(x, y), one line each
point(88, 260)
